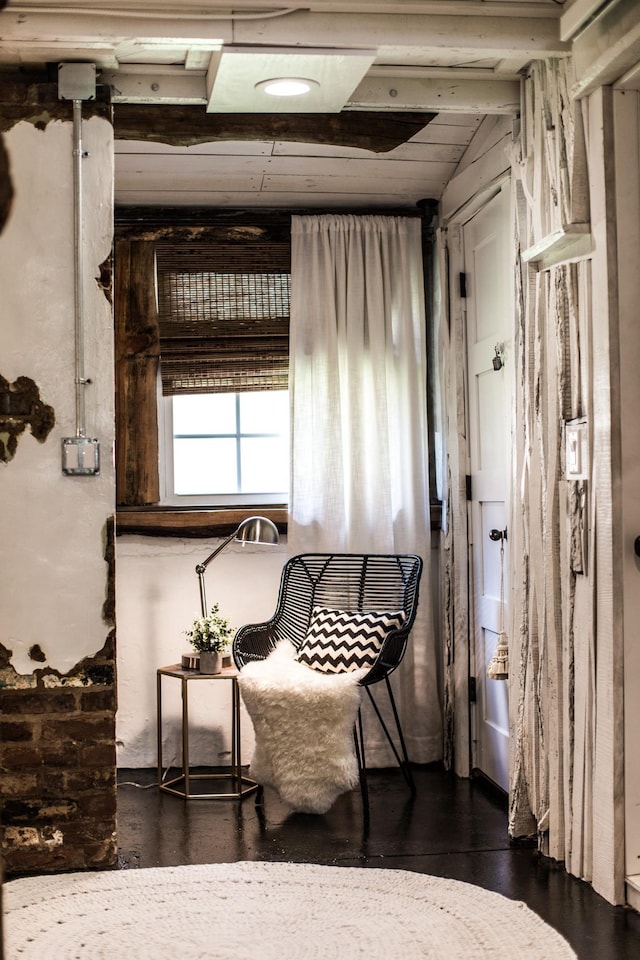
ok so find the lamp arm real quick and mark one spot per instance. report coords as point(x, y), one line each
point(201, 567)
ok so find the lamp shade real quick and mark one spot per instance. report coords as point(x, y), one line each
point(257, 530)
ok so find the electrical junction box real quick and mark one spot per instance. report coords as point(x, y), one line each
point(76, 81)
point(577, 459)
point(80, 457)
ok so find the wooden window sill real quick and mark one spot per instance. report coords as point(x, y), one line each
point(188, 522)
point(208, 522)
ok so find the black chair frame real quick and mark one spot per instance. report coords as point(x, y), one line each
point(354, 582)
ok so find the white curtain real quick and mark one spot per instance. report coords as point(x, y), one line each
point(358, 392)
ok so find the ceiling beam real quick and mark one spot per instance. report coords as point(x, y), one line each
point(384, 88)
point(607, 48)
point(493, 30)
point(73, 32)
point(251, 8)
point(155, 84)
point(186, 126)
point(388, 92)
point(579, 13)
point(434, 36)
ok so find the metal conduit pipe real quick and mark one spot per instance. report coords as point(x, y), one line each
point(80, 454)
point(78, 248)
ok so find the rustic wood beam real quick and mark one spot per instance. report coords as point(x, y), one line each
point(137, 360)
point(180, 125)
point(36, 101)
point(214, 522)
point(224, 225)
point(172, 522)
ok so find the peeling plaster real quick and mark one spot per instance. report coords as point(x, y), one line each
point(10, 678)
point(55, 580)
point(17, 671)
point(47, 837)
point(21, 406)
point(105, 278)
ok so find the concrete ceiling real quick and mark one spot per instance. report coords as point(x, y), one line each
point(460, 60)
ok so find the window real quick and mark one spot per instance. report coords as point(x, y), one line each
point(202, 308)
point(226, 448)
point(223, 315)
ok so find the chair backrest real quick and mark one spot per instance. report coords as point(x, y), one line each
point(353, 582)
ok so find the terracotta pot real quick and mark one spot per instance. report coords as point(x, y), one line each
point(210, 662)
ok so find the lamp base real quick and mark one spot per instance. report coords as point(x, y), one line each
point(191, 661)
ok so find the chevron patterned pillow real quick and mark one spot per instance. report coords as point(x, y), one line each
point(341, 640)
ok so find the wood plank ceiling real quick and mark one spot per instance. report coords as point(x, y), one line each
point(190, 132)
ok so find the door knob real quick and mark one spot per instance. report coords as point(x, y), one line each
point(502, 534)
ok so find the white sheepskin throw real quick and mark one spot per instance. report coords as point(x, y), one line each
point(303, 722)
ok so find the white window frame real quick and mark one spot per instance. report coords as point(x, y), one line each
point(165, 455)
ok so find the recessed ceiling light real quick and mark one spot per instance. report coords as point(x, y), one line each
point(287, 86)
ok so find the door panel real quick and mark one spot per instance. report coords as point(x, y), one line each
point(489, 323)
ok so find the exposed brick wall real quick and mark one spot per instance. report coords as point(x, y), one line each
point(58, 762)
point(57, 766)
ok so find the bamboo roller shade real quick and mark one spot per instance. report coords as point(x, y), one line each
point(223, 312)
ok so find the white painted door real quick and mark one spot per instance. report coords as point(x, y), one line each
point(489, 301)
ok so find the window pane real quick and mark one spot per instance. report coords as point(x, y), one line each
point(204, 467)
point(204, 414)
point(265, 464)
point(264, 412)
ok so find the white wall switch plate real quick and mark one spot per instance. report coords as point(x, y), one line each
point(577, 459)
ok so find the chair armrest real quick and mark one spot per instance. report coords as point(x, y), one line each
point(254, 641)
point(389, 657)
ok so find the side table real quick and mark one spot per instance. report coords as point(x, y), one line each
point(180, 786)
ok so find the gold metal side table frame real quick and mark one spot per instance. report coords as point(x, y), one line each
point(180, 786)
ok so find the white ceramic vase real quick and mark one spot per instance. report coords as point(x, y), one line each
point(210, 662)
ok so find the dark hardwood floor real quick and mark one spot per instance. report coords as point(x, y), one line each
point(453, 828)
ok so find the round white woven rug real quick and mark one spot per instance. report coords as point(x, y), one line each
point(274, 911)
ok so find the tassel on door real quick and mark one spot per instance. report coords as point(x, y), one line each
point(498, 668)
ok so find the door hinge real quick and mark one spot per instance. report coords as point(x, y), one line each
point(462, 278)
point(472, 690)
point(467, 487)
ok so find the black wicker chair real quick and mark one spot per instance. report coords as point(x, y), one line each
point(354, 582)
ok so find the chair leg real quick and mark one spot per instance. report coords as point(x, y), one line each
point(403, 762)
point(358, 737)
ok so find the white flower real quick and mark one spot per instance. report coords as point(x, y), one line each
point(210, 633)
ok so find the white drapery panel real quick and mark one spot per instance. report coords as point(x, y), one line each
point(359, 454)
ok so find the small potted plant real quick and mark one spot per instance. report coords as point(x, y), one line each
point(210, 636)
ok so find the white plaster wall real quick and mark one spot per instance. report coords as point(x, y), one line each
point(52, 527)
point(157, 599)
